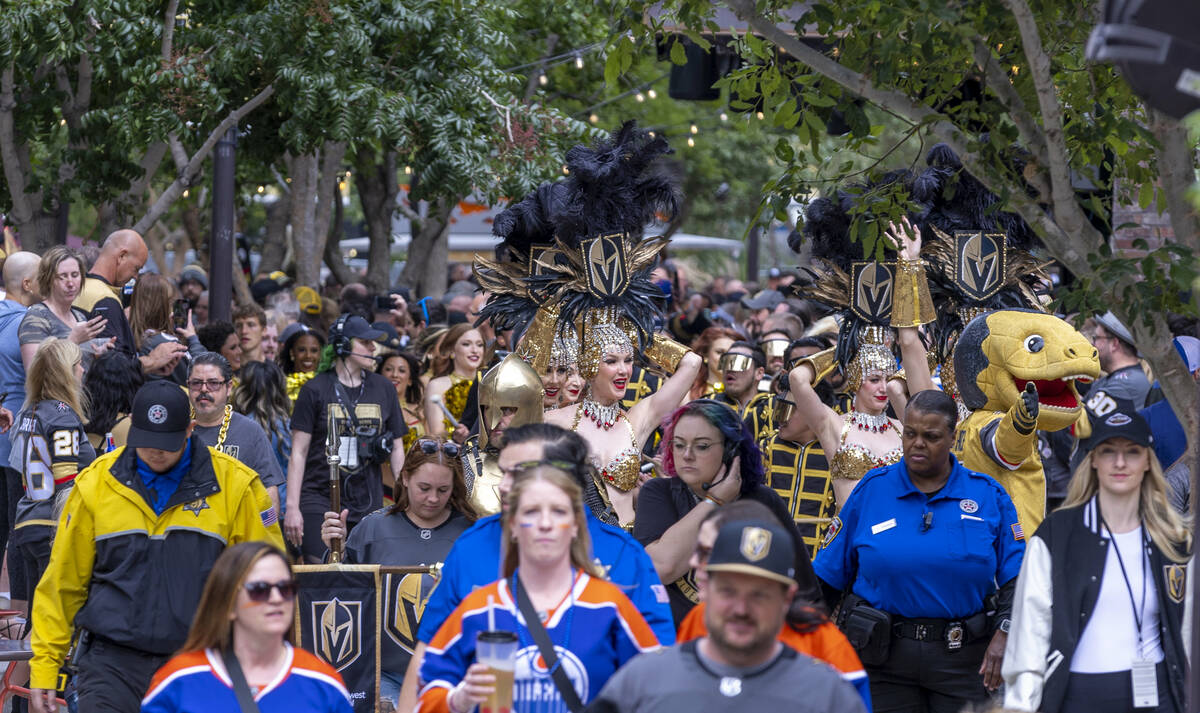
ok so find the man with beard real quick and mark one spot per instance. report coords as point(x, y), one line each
point(740, 665)
point(209, 383)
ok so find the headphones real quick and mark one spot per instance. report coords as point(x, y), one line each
point(342, 345)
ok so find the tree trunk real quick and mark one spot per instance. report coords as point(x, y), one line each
point(377, 190)
point(333, 253)
point(194, 232)
point(429, 250)
point(40, 233)
point(315, 174)
point(275, 236)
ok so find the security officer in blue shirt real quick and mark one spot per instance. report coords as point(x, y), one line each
point(922, 550)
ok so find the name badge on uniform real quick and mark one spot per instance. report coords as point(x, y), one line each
point(885, 525)
point(1145, 684)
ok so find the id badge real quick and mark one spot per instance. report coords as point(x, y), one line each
point(1145, 684)
point(348, 452)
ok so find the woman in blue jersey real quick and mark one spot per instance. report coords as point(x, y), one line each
point(592, 625)
point(240, 636)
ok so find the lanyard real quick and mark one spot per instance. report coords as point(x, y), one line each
point(1137, 612)
point(568, 601)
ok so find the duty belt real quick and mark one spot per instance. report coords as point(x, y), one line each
point(954, 632)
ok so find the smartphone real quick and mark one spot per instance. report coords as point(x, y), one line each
point(179, 313)
point(383, 303)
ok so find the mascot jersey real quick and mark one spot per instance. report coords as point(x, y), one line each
point(996, 356)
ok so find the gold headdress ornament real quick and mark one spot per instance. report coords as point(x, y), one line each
point(564, 351)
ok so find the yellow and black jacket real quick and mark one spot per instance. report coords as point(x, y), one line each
point(759, 414)
point(133, 577)
point(800, 475)
point(642, 383)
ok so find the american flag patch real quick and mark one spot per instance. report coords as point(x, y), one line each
point(269, 517)
point(1018, 533)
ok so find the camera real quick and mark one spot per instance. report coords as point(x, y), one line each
point(373, 448)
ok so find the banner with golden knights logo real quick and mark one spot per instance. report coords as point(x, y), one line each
point(338, 618)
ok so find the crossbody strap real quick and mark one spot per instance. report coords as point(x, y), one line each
point(240, 687)
point(546, 648)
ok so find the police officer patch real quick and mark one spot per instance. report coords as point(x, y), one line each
point(835, 526)
point(968, 505)
point(157, 414)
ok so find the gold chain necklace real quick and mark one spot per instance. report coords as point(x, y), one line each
point(224, 426)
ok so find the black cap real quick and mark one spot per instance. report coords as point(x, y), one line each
point(757, 548)
point(160, 417)
point(390, 338)
point(1122, 422)
point(356, 327)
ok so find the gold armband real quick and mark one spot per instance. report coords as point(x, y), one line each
point(912, 305)
point(899, 376)
point(665, 353)
point(822, 363)
point(539, 338)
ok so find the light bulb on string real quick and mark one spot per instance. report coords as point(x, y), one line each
point(640, 97)
point(578, 61)
point(691, 142)
point(543, 80)
point(724, 116)
point(408, 170)
point(695, 129)
point(593, 118)
point(759, 115)
point(652, 94)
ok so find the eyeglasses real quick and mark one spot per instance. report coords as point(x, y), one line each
point(210, 384)
point(694, 450)
point(430, 446)
point(261, 591)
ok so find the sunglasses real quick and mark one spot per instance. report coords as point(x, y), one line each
point(783, 410)
point(261, 591)
point(519, 468)
point(735, 363)
point(775, 348)
point(430, 446)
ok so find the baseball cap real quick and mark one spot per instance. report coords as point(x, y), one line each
point(160, 417)
point(1122, 422)
point(356, 327)
point(390, 338)
point(765, 299)
point(1189, 349)
point(1115, 327)
point(757, 548)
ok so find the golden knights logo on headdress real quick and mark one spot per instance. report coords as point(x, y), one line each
point(604, 261)
point(979, 263)
point(756, 543)
point(337, 626)
point(871, 291)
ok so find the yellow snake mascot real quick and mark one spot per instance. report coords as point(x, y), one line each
point(1016, 371)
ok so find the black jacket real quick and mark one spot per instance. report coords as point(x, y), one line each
point(1068, 554)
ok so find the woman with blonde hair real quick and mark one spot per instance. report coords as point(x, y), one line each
point(51, 447)
point(1099, 602)
point(59, 279)
point(550, 579)
point(241, 634)
point(457, 360)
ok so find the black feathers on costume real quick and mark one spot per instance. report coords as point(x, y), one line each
point(957, 201)
point(614, 187)
point(617, 185)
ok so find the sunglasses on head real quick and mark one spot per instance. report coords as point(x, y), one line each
point(261, 591)
point(430, 446)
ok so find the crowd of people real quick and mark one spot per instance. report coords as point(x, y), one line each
point(663, 495)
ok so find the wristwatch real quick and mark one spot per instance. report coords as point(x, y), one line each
point(1005, 625)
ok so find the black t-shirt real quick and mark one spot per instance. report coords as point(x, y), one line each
point(663, 502)
point(377, 412)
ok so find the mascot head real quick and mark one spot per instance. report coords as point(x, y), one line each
point(998, 353)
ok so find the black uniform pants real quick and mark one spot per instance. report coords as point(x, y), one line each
point(923, 677)
point(1112, 693)
point(113, 678)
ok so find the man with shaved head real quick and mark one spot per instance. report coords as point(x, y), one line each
point(121, 258)
point(20, 283)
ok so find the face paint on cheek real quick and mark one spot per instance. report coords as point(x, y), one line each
point(250, 604)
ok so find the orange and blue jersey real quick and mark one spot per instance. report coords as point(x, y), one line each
point(595, 629)
point(825, 643)
point(197, 682)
